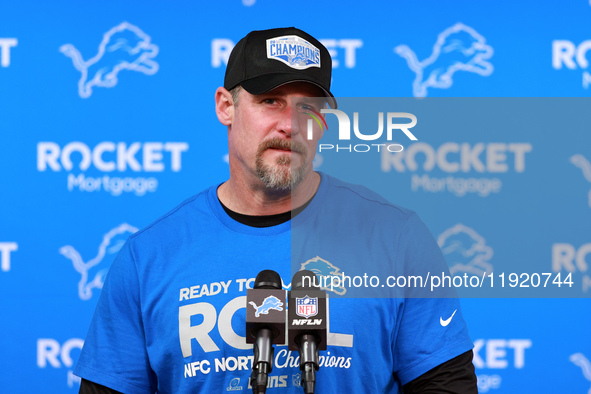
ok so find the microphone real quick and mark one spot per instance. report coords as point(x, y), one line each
point(307, 321)
point(265, 324)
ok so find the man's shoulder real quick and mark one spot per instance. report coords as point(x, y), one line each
point(192, 211)
point(355, 195)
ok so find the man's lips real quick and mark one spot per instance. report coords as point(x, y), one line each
point(281, 149)
point(284, 149)
point(283, 146)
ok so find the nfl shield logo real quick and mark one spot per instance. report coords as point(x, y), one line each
point(307, 306)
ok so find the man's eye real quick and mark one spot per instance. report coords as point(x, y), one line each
point(269, 101)
point(305, 107)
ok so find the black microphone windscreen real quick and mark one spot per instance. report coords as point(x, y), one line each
point(304, 279)
point(267, 279)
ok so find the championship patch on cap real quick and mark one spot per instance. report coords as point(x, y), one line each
point(294, 51)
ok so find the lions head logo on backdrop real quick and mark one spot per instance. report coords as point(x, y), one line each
point(581, 162)
point(465, 251)
point(94, 271)
point(581, 361)
point(124, 47)
point(458, 48)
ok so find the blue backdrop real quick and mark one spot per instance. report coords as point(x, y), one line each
point(107, 121)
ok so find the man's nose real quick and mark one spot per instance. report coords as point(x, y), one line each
point(287, 123)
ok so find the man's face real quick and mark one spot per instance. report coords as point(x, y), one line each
point(268, 135)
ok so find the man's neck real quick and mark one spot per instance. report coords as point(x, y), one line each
point(249, 200)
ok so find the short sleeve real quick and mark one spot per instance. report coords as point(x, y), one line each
point(430, 330)
point(114, 352)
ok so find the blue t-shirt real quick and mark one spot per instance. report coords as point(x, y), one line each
point(171, 315)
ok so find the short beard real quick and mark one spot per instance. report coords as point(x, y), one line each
point(281, 177)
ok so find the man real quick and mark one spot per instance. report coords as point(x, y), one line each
point(171, 314)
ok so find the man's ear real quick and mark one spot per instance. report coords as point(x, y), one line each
point(224, 106)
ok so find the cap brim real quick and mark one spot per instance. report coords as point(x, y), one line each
point(266, 83)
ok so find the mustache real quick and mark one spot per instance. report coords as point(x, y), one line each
point(278, 143)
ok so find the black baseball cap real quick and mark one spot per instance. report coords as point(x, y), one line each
point(266, 59)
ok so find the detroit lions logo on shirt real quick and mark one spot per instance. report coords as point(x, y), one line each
point(269, 303)
point(294, 51)
point(324, 271)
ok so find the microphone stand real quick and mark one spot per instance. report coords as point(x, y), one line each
point(262, 362)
